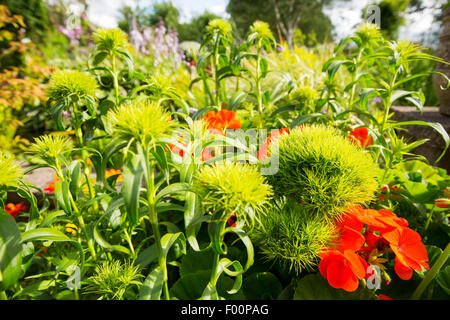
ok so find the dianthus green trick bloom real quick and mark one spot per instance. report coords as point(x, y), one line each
point(110, 40)
point(233, 188)
point(320, 168)
point(369, 33)
point(304, 95)
point(111, 279)
point(50, 148)
point(261, 29)
point(144, 121)
point(292, 236)
point(10, 172)
point(74, 85)
point(219, 26)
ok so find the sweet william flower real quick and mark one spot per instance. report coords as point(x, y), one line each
point(360, 137)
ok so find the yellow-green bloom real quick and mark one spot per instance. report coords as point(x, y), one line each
point(144, 121)
point(73, 85)
point(110, 39)
point(10, 172)
point(262, 29)
point(219, 26)
point(51, 147)
point(321, 169)
point(233, 188)
point(293, 236)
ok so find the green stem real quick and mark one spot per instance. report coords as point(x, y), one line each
point(352, 93)
point(130, 243)
point(258, 82)
point(213, 279)
point(153, 215)
point(431, 274)
point(115, 77)
point(430, 216)
point(3, 295)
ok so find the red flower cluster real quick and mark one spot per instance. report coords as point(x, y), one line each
point(51, 186)
point(273, 136)
point(221, 120)
point(360, 137)
point(206, 154)
point(15, 209)
point(349, 259)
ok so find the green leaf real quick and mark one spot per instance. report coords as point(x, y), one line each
point(152, 287)
point(443, 279)
point(179, 187)
point(435, 125)
point(263, 64)
point(99, 57)
point(62, 194)
point(74, 186)
point(132, 179)
point(50, 234)
point(10, 251)
point(262, 286)
point(316, 287)
point(170, 240)
point(114, 205)
point(192, 286)
point(196, 261)
point(305, 118)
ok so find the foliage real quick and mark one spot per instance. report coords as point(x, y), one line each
point(160, 192)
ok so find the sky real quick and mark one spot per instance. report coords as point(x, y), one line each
point(344, 15)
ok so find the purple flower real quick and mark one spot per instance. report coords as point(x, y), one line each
point(377, 100)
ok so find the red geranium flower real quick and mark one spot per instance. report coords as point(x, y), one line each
point(221, 120)
point(206, 154)
point(273, 136)
point(360, 137)
point(15, 209)
point(342, 269)
point(410, 252)
point(51, 186)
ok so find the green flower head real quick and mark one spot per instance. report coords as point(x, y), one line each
point(321, 169)
point(369, 33)
point(73, 85)
point(304, 95)
point(50, 148)
point(262, 29)
point(110, 39)
point(144, 121)
point(293, 237)
point(10, 172)
point(219, 26)
point(112, 279)
point(233, 188)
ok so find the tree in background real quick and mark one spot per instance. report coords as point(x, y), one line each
point(284, 17)
point(169, 14)
point(392, 16)
point(193, 31)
